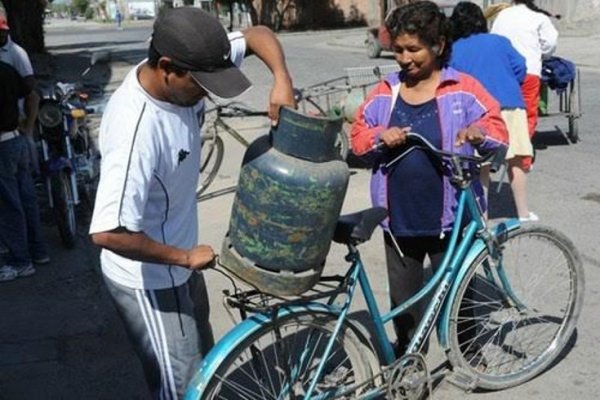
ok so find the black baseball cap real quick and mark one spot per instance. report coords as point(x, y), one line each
point(196, 41)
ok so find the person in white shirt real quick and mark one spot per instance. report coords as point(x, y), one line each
point(14, 55)
point(533, 35)
point(21, 235)
point(145, 216)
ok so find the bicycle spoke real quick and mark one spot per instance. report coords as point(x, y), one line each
point(282, 366)
point(516, 315)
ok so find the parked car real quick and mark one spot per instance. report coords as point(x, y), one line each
point(379, 38)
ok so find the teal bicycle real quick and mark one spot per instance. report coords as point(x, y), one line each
point(505, 301)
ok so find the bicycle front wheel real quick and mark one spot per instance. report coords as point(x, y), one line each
point(64, 208)
point(211, 156)
point(514, 314)
point(280, 360)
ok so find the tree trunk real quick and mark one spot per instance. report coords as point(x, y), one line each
point(26, 21)
point(253, 12)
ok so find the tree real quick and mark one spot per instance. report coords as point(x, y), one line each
point(26, 20)
point(274, 12)
point(81, 6)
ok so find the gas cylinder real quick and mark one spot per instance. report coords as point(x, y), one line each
point(290, 192)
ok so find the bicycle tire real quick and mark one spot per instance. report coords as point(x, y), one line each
point(64, 209)
point(261, 365)
point(211, 156)
point(342, 144)
point(505, 347)
point(574, 113)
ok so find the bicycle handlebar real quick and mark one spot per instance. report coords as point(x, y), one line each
point(235, 110)
point(495, 157)
point(239, 112)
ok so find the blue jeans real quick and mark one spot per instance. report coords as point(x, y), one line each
point(20, 228)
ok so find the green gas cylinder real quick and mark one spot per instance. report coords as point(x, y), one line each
point(291, 188)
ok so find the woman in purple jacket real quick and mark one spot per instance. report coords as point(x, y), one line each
point(454, 112)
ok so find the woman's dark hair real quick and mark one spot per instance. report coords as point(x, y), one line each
point(425, 20)
point(531, 5)
point(467, 19)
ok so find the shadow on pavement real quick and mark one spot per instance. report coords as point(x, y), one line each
point(60, 336)
point(544, 139)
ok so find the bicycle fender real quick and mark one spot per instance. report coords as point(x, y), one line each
point(208, 366)
point(476, 249)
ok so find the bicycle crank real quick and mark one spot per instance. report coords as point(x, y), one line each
point(408, 378)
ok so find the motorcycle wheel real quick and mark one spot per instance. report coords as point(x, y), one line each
point(64, 208)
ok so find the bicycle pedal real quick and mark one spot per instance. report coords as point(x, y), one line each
point(463, 380)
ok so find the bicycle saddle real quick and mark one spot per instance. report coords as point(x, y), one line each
point(358, 227)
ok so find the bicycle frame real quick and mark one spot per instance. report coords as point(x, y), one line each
point(462, 251)
point(222, 112)
point(466, 243)
point(222, 124)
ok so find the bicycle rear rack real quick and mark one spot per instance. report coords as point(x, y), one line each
point(254, 301)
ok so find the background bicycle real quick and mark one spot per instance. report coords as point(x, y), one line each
point(505, 301)
point(218, 122)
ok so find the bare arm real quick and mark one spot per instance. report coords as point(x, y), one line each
point(262, 42)
point(32, 102)
point(138, 246)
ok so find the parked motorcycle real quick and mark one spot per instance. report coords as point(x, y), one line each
point(69, 160)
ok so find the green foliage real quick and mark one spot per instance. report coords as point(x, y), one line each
point(89, 13)
point(60, 8)
point(81, 6)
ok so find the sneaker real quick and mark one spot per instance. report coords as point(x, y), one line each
point(22, 272)
point(41, 260)
point(8, 273)
point(530, 218)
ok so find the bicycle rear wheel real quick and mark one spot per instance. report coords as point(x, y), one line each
point(510, 322)
point(211, 158)
point(279, 361)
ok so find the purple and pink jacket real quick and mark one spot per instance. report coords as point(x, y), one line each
point(461, 100)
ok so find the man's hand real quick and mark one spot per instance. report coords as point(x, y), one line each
point(472, 135)
point(394, 136)
point(26, 130)
point(263, 43)
point(201, 257)
point(138, 246)
point(282, 94)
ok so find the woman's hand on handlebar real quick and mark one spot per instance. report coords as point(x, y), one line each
point(472, 134)
point(395, 136)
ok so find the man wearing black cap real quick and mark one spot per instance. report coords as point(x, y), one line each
point(145, 213)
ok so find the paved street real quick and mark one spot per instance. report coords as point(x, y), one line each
point(60, 337)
